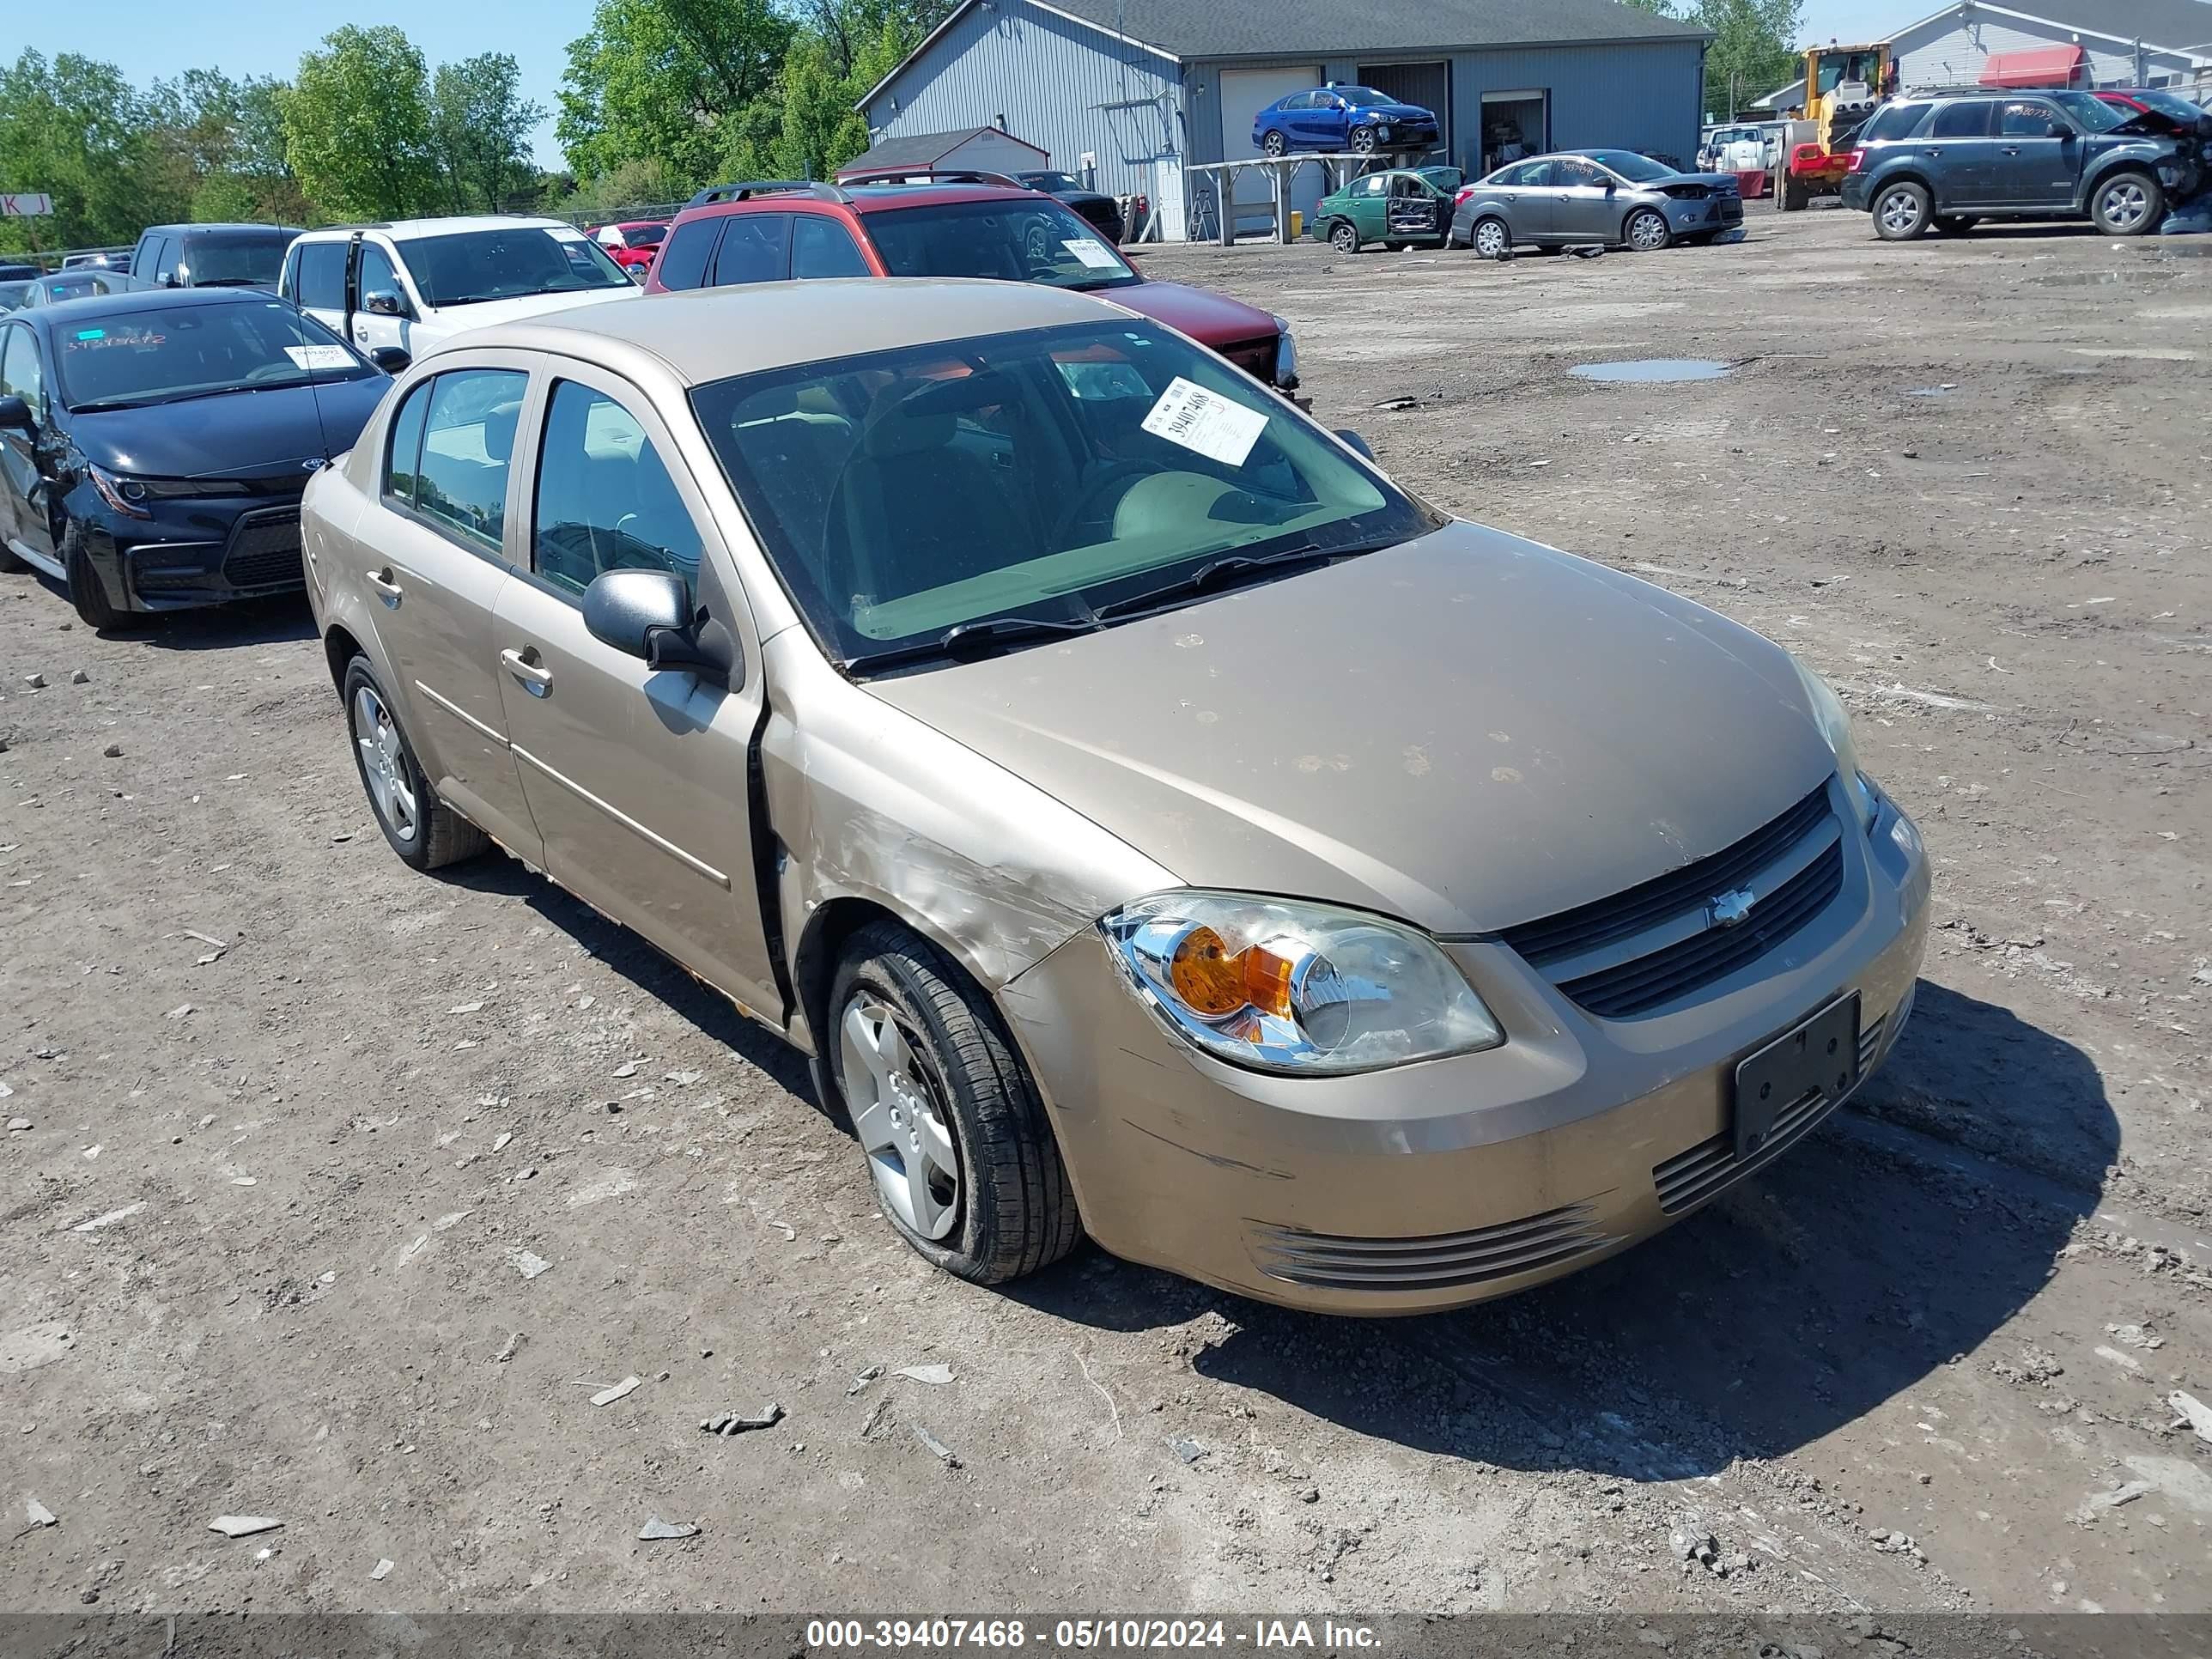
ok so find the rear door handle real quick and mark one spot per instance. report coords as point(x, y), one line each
point(2012, 150)
point(536, 678)
point(386, 589)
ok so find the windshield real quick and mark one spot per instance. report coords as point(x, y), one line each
point(2171, 104)
point(132, 358)
point(1047, 181)
point(1032, 239)
point(1042, 475)
point(1637, 169)
point(469, 267)
point(643, 235)
point(1363, 97)
point(1858, 66)
point(211, 261)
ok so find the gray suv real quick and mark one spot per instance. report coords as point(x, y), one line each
point(1951, 160)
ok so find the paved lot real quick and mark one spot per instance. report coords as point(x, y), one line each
point(297, 1115)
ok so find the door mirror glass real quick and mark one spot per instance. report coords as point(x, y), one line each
point(15, 415)
point(390, 359)
point(2054, 128)
point(384, 303)
point(647, 614)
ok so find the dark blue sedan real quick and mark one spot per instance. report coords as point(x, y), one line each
point(1357, 118)
point(154, 444)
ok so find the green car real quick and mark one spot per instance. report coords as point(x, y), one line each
point(1396, 208)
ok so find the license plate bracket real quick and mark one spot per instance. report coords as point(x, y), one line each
point(1820, 1055)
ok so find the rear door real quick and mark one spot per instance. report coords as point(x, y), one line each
point(637, 777)
point(436, 548)
point(1370, 199)
point(1531, 198)
point(1961, 155)
point(318, 274)
point(24, 515)
point(2033, 166)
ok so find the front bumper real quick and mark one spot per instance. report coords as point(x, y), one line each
point(258, 557)
point(1451, 1182)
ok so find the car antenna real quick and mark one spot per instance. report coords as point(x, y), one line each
point(315, 386)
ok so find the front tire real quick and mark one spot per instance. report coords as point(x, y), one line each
point(2128, 204)
point(953, 1130)
point(1902, 212)
point(1646, 231)
point(88, 593)
point(1344, 236)
point(422, 830)
point(1275, 143)
point(1363, 141)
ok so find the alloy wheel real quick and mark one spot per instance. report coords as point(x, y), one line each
point(1900, 211)
point(1363, 140)
point(2123, 205)
point(1273, 143)
point(1490, 239)
point(898, 1114)
point(1344, 239)
point(1647, 232)
point(384, 765)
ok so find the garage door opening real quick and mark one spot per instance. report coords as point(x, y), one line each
point(1514, 124)
point(1244, 93)
point(1428, 85)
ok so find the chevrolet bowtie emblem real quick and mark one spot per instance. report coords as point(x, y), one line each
point(1730, 908)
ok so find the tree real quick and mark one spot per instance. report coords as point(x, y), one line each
point(220, 144)
point(1752, 51)
point(656, 79)
point(75, 129)
point(357, 126)
point(481, 124)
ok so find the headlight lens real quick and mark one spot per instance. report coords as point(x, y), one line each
point(1836, 727)
point(1287, 357)
point(1309, 988)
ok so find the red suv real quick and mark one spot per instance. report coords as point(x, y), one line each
point(957, 224)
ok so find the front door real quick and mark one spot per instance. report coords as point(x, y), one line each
point(373, 274)
point(438, 552)
point(2038, 161)
point(1582, 208)
point(637, 777)
point(26, 513)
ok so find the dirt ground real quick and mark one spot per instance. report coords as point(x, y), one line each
point(300, 1120)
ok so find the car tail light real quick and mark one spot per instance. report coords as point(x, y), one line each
point(1465, 191)
point(1859, 162)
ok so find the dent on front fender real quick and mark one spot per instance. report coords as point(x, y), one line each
point(868, 803)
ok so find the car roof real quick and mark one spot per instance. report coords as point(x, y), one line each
point(865, 198)
point(706, 334)
point(455, 224)
point(149, 299)
point(220, 229)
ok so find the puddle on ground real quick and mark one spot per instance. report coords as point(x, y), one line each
point(1644, 370)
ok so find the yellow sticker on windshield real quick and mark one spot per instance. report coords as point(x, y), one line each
point(1214, 426)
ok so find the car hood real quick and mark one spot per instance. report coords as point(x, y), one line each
point(1469, 731)
point(1709, 180)
point(490, 313)
point(1393, 113)
point(241, 434)
point(1213, 319)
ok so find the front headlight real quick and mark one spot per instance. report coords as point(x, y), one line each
point(1835, 726)
point(1287, 357)
point(1284, 987)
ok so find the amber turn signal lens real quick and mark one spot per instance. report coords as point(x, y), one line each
point(1214, 984)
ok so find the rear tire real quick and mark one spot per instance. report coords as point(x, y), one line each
point(2128, 204)
point(952, 1077)
point(1489, 237)
point(88, 593)
point(1344, 236)
point(9, 564)
point(422, 830)
point(1275, 143)
point(1902, 212)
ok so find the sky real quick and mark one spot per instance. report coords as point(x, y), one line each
point(149, 39)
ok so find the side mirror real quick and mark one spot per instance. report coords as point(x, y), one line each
point(1355, 443)
point(647, 614)
point(2057, 130)
point(15, 416)
point(390, 359)
point(383, 302)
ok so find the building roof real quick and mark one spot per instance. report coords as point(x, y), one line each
point(1181, 30)
point(923, 149)
point(1206, 28)
point(2167, 25)
point(706, 334)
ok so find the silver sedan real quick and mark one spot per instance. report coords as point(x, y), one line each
point(1613, 197)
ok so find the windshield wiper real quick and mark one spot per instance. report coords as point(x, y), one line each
point(974, 639)
point(1235, 569)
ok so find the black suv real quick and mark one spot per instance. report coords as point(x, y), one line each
point(210, 256)
point(1948, 160)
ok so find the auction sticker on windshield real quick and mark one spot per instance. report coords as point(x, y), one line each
point(318, 357)
point(1097, 255)
point(1204, 422)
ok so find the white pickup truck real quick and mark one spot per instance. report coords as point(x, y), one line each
point(398, 290)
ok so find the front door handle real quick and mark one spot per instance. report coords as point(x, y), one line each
point(533, 675)
point(384, 587)
point(2012, 150)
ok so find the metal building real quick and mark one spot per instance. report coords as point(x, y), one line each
point(1133, 90)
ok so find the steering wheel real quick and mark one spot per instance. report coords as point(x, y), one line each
point(1086, 499)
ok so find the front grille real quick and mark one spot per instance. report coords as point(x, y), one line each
point(1570, 932)
point(264, 550)
point(1255, 357)
point(1432, 1260)
point(1711, 1166)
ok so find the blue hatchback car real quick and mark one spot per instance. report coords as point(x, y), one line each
point(1357, 118)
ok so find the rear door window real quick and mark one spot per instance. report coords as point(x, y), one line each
point(468, 443)
point(755, 248)
point(322, 275)
point(402, 460)
point(1961, 121)
point(1893, 121)
point(684, 262)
